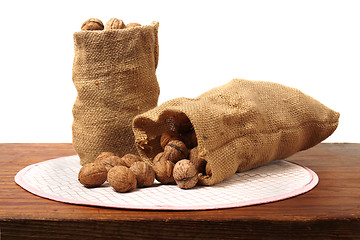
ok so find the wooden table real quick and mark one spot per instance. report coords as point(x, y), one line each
point(330, 211)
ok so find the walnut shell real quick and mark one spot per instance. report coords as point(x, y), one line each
point(159, 157)
point(110, 162)
point(185, 174)
point(164, 171)
point(168, 136)
point(122, 179)
point(175, 150)
point(130, 25)
point(198, 161)
point(130, 158)
point(103, 155)
point(92, 175)
point(92, 24)
point(208, 170)
point(145, 174)
point(114, 23)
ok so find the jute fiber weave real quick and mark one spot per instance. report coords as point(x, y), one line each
point(240, 125)
point(114, 75)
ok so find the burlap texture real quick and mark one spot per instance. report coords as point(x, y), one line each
point(114, 75)
point(241, 125)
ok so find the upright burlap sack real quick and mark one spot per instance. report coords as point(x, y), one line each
point(240, 125)
point(114, 75)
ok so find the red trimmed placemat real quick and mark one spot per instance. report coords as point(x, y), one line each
point(57, 179)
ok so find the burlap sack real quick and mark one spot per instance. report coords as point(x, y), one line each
point(240, 125)
point(114, 75)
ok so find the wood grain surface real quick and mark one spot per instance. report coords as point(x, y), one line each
point(330, 211)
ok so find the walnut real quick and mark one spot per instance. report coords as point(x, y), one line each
point(130, 158)
point(114, 23)
point(168, 136)
point(122, 179)
point(175, 150)
point(185, 174)
point(164, 171)
point(103, 155)
point(159, 157)
point(92, 175)
point(92, 24)
point(110, 162)
point(208, 170)
point(145, 174)
point(130, 25)
point(197, 160)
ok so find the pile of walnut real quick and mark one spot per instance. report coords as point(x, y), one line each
point(94, 24)
point(179, 163)
point(123, 174)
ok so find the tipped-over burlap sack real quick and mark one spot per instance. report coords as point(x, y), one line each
point(114, 75)
point(240, 125)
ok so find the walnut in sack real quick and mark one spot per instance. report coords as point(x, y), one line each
point(92, 24)
point(208, 170)
point(197, 160)
point(130, 25)
point(175, 150)
point(114, 23)
point(168, 136)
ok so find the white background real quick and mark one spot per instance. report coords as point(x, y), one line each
point(310, 45)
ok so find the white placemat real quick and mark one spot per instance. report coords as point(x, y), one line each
point(57, 179)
